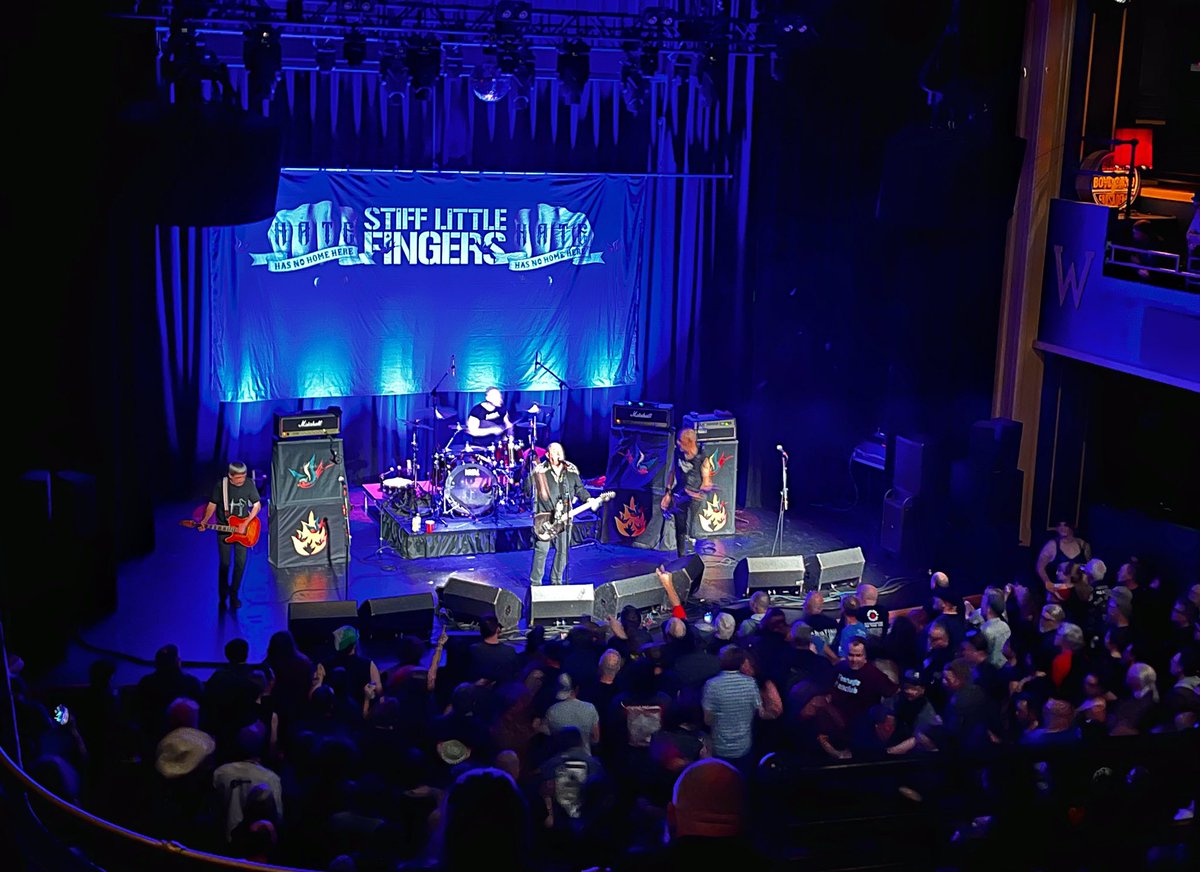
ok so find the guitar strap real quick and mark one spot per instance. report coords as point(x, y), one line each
point(225, 494)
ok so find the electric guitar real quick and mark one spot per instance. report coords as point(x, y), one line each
point(546, 526)
point(248, 536)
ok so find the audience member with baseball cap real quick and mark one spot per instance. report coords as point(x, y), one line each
point(362, 675)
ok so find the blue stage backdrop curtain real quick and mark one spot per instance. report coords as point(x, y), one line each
point(687, 349)
point(369, 283)
point(204, 427)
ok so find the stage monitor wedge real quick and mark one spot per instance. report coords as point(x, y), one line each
point(644, 591)
point(408, 615)
point(468, 600)
point(783, 574)
point(312, 624)
point(686, 574)
point(844, 566)
point(560, 604)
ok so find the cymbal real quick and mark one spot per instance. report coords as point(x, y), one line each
point(537, 409)
point(442, 413)
point(416, 425)
point(528, 425)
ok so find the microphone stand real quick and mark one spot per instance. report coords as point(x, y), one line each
point(562, 384)
point(783, 507)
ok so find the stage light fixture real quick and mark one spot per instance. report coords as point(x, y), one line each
point(711, 68)
point(263, 57)
point(326, 57)
point(186, 65)
point(524, 76)
point(657, 17)
point(574, 68)
point(513, 12)
point(394, 74)
point(634, 87)
point(354, 47)
point(423, 57)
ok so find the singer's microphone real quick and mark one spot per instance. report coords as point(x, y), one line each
point(453, 368)
point(779, 448)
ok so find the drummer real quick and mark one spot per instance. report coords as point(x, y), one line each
point(489, 418)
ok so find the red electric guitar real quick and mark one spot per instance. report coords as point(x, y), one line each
point(248, 536)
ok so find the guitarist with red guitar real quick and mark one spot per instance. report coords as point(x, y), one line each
point(235, 502)
point(556, 485)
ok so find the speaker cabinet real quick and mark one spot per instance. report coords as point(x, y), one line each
point(643, 591)
point(560, 604)
point(836, 567)
point(717, 514)
point(783, 574)
point(306, 471)
point(468, 600)
point(312, 624)
point(307, 535)
point(895, 533)
point(410, 615)
point(995, 444)
point(686, 574)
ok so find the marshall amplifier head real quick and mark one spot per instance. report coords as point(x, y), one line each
point(296, 425)
point(712, 426)
point(643, 416)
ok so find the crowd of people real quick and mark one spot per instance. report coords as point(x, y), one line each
point(618, 745)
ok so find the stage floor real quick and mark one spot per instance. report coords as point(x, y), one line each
point(170, 595)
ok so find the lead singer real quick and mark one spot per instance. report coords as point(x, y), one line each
point(555, 485)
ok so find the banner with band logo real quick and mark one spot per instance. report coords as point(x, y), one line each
point(367, 283)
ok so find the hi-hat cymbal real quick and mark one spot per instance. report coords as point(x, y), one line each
point(538, 409)
point(417, 425)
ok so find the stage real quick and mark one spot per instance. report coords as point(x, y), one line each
point(170, 595)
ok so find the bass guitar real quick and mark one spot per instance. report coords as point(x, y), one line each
point(247, 537)
point(546, 526)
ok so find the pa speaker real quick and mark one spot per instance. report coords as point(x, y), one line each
point(833, 567)
point(643, 591)
point(686, 573)
point(995, 444)
point(782, 574)
point(468, 600)
point(410, 615)
point(312, 624)
point(552, 604)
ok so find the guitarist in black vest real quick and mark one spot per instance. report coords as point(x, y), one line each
point(556, 485)
point(689, 480)
point(235, 501)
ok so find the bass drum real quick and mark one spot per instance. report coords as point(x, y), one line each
point(471, 489)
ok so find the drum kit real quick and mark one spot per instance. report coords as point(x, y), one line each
point(469, 477)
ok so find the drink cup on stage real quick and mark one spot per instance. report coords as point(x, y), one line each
point(429, 526)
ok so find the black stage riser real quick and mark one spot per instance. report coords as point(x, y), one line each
point(307, 534)
point(462, 538)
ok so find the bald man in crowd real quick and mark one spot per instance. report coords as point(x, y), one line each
point(870, 615)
